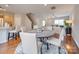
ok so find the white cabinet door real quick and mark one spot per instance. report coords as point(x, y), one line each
point(3, 35)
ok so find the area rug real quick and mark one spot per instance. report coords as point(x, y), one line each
point(53, 50)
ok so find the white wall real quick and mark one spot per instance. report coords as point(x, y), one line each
point(25, 22)
point(17, 19)
point(75, 28)
point(21, 20)
point(49, 21)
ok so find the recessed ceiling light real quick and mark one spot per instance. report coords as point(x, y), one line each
point(6, 5)
point(45, 4)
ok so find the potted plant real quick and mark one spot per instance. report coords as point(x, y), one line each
point(68, 25)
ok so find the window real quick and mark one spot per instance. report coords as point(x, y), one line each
point(59, 22)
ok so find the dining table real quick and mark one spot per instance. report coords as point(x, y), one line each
point(43, 35)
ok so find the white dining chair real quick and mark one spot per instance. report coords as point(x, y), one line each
point(57, 29)
point(49, 28)
point(21, 29)
point(57, 41)
point(29, 43)
point(35, 27)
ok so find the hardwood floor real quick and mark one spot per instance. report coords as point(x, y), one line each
point(9, 47)
point(71, 46)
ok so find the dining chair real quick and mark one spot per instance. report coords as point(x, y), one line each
point(57, 41)
point(49, 28)
point(29, 43)
point(57, 29)
point(22, 29)
point(35, 27)
point(14, 33)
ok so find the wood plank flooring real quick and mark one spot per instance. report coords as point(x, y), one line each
point(9, 47)
point(70, 45)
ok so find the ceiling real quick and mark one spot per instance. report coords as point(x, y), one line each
point(39, 8)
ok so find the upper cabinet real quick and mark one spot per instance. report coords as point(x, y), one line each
point(9, 19)
point(1, 20)
point(6, 18)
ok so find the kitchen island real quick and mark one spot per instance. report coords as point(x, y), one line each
point(3, 34)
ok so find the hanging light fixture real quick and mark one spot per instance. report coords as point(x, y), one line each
point(53, 8)
point(53, 14)
point(45, 4)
